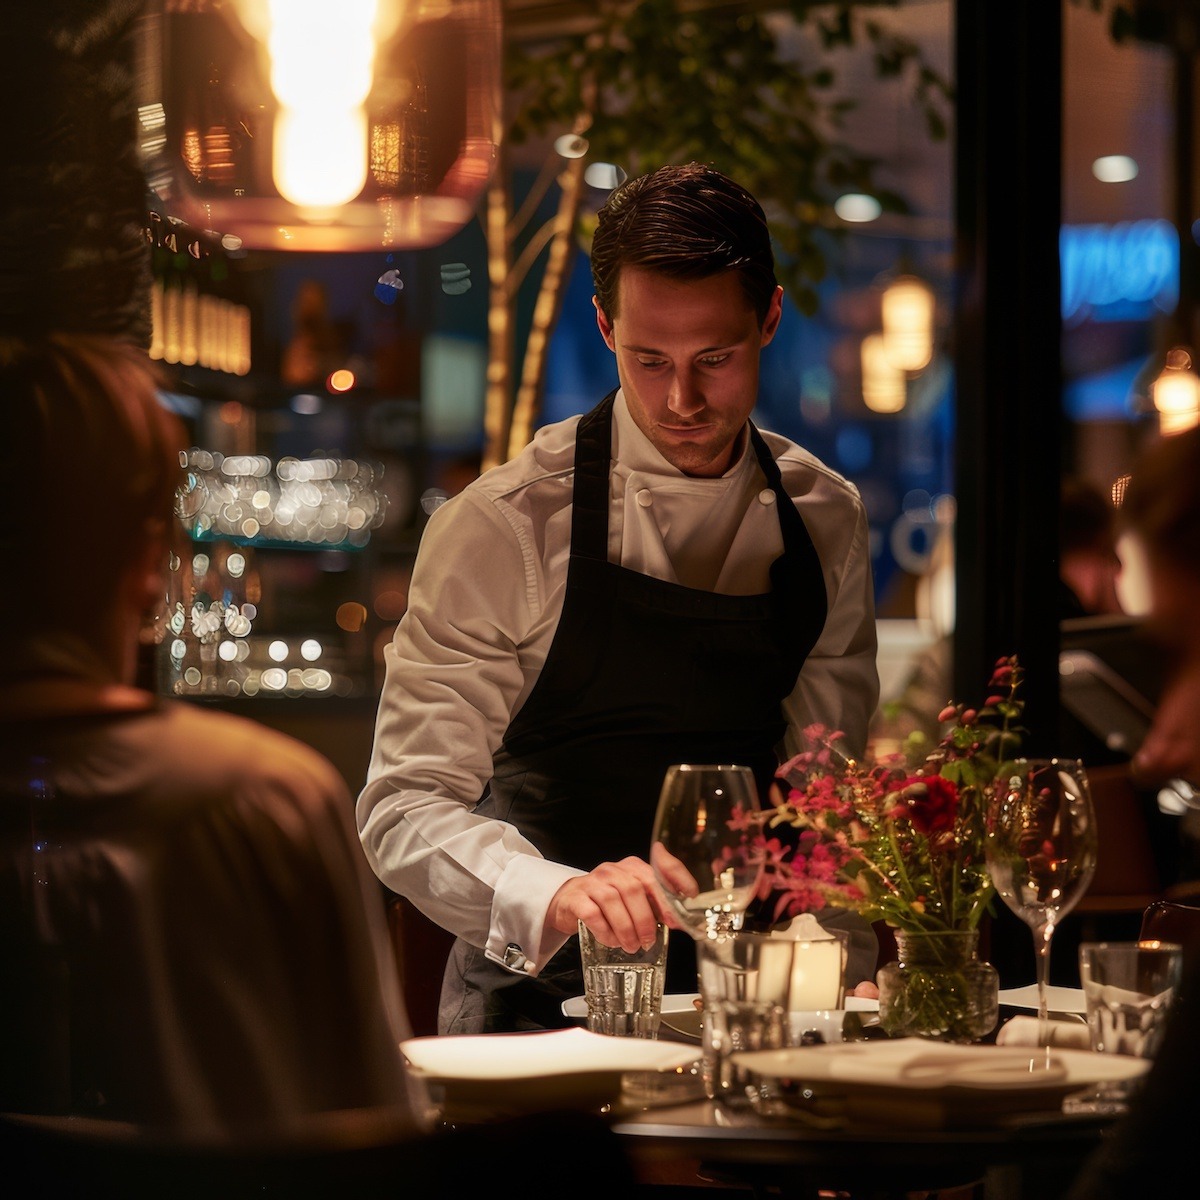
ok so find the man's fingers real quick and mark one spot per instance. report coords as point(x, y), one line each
point(672, 873)
point(616, 901)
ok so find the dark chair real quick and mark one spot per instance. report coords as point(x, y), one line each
point(360, 1155)
point(421, 950)
point(1127, 877)
point(1172, 921)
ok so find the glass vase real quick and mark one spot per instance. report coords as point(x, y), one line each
point(939, 988)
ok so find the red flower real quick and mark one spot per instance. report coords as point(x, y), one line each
point(929, 802)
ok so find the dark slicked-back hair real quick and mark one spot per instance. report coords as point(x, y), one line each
point(685, 222)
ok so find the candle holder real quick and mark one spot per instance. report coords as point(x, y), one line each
point(757, 989)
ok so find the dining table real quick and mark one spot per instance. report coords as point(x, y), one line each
point(1032, 1157)
point(883, 1144)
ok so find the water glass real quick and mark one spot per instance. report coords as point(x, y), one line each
point(623, 989)
point(760, 993)
point(1128, 988)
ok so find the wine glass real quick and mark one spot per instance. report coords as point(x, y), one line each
point(1041, 850)
point(707, 848)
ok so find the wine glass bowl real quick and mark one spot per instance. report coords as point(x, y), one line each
point(707, 848)
point(1041, 849)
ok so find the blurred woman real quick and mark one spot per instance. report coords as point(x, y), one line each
point(190, 935)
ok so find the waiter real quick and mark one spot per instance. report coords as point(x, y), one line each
point(655, 582)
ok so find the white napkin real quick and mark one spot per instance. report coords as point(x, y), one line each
point(1023, 1031)
point(911, 1062)
point(534, 1055)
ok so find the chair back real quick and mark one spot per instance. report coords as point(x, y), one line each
point(1127, 877)
point(1171, 921)
point(363, 1154)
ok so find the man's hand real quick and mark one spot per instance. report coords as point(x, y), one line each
point(619, 902)
point(1171, 749)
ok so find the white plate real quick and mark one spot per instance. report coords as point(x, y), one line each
point(917, 1084)
point(487, 1075)
point(1059, 999)
point(684, 1002)
point(913, 1063)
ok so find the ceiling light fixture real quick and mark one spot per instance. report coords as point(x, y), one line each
point(1115, 168)
point(857, 208)
point(304, 125)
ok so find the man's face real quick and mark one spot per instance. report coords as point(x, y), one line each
point(687, 357)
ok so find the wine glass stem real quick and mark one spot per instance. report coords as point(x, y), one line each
point(1043, 983)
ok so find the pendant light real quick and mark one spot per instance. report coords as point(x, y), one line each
point(312, 125)
point(884, 386)
point(1176, 393)
point(908, 323)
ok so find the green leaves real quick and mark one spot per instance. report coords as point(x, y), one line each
point(751, 92)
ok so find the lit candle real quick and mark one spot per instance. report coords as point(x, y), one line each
point(816, 981)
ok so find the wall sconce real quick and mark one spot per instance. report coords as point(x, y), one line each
point(311, 125)
point(1176, 393)
point(908, 323)
point(884, 386)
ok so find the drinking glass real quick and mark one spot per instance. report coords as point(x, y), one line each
point(707, 848)
point(1129, 988)
point(1041, 850)
point(623, 989)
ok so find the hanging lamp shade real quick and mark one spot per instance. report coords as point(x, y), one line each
point(326, 125)
point(1176, 393)
point(883, 384)
point(908, 323)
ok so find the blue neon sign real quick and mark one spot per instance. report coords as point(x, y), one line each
point(1121, 272)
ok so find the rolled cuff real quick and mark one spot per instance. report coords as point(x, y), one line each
point(519, 938)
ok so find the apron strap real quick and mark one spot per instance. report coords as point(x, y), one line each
point(589, 513)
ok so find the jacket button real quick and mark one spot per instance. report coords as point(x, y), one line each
point(644, 498)
point(766, 496)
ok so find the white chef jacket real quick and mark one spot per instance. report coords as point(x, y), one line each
point(485, 600)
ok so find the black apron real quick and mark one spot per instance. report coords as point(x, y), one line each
point(641, 673)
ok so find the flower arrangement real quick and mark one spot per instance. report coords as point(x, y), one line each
point(900, 839)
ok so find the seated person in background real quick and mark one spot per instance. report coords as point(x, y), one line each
point(1088, 563)
point(1151, 1150)
point(190, 937)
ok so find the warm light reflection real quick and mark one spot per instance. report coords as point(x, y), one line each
point(314, 501)
point(351, 617)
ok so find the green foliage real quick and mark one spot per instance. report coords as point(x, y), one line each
point(732, 85)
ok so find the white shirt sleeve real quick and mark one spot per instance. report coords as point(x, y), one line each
point(454, 675)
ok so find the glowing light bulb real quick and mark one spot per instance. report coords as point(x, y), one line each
point(322, 67)
point(1176, 393)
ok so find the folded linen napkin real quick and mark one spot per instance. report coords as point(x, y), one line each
point(913, 1063)
point(1023, 1031)
point(499, 1056)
